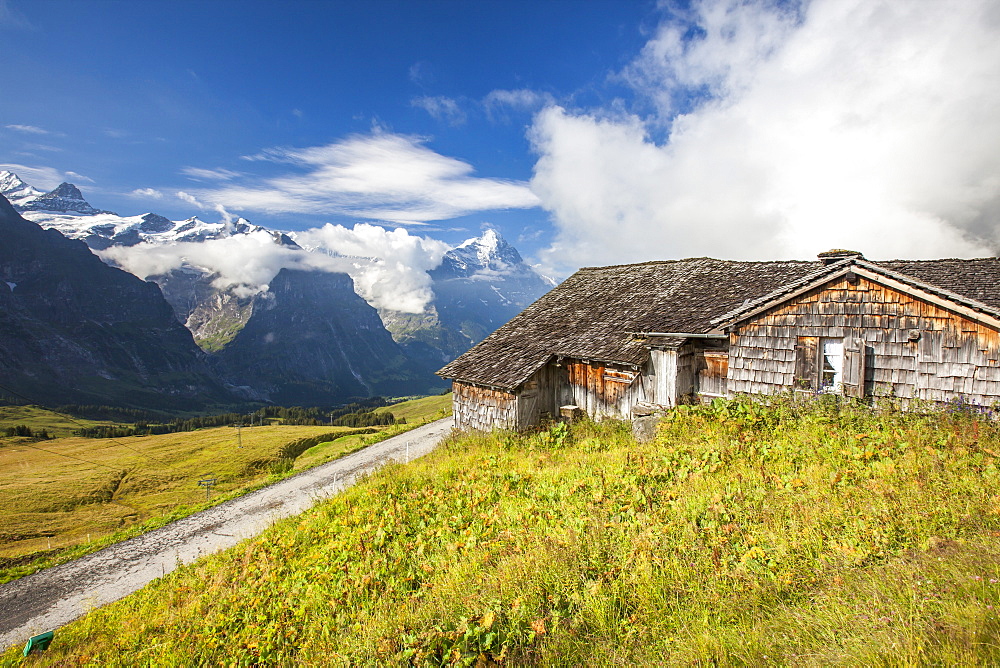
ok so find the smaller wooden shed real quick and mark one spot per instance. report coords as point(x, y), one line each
point(609, 339)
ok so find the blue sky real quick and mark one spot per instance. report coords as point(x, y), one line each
point(142, 95)
point(587, 132)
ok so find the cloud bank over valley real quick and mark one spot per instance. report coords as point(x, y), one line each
point(389, 267)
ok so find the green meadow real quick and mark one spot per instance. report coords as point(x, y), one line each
point(68, 496)
point(421, 408)
point(38, 419)
point(801, 533)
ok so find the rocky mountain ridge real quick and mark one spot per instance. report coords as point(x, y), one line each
point(75, 330)
point(479, 285)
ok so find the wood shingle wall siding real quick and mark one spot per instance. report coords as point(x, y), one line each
point(483, 408)
point(913, 348)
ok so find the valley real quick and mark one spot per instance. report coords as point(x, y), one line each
point(70, 495)
point(283, 317)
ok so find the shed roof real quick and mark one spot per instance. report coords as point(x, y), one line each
point(589, 315)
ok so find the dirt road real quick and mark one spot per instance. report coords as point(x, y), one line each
point(56, 596)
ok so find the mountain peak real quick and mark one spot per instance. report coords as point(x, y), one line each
point(487, 254)
point(490, 241)
point(65, 191)
point(65, 198)
point(14, 189)
point(489, 251)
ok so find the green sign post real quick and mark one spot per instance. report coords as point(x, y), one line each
point(38, 643)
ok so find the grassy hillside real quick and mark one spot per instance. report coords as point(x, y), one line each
point(436, 405)
point(36, 419)
point(76, 491)
point(741, 536)
point(65, 496)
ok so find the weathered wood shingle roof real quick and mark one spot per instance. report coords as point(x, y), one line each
point(590, 314)
point(977, 279)
point(972, 283)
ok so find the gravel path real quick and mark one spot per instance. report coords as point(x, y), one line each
point(56, 596)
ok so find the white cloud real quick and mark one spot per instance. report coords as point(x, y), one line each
point(28, 129)
point(79, 177)
point(245, 263)
point(147, 193)
point(441, 108)
point(382, 176)
point(190, 199)
point(219, 174)
point(43, 178)
point(521, 99)
point(224, 215)
point(866, 124)
point(389, 267)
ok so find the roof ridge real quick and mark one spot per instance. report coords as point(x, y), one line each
point(943, 259)
point(691, 259)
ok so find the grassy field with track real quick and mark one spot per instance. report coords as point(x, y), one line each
point(805, 534)
point(69, 495)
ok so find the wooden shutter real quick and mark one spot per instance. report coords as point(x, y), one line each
point(853, 382)
point(807, 363)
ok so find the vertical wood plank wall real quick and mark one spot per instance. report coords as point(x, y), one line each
point(664, 366)
point(954, 356)
point(713, 368)
point(605, 390)
point(599, 389)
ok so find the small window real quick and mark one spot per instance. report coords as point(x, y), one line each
point(827, 365)
point(832, 373)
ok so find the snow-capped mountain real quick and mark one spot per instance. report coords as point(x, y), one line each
point(66, 210)
point(15, 190)
point(103, 230)
point(66, 198)
point(479, 285)
point(489, 254)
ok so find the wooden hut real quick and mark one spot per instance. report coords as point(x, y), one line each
point(616, 341)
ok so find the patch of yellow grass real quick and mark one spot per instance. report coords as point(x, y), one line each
point(425, 408)
point(68, 491)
